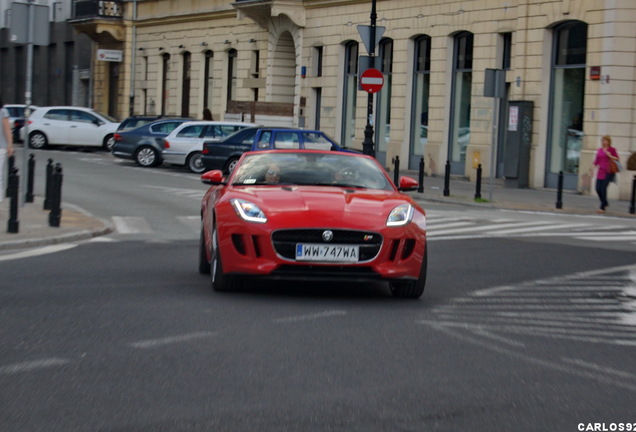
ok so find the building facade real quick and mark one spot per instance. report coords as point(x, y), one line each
point(567, 69)
point(61, 71)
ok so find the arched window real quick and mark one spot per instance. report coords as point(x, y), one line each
point(208, 79)
point(164, 82)
point(185, 84)
point(349, 94)
point(421, 91)
point(566, 102)
point(461, 101)
point(383, 111)
point(232, 57)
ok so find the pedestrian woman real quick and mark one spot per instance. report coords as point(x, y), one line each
point(6, 144)
point(207, 114)
point(604, 155)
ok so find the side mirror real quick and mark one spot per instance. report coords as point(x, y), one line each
point(214, 177)
point(407, 184)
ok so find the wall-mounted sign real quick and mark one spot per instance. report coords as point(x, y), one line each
point(110, 55)
point(595, 73)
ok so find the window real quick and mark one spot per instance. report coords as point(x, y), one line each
point(83, 117)
point(421, 92)
point(208, 79)
point(164, 83)
point(318, 61)
point(461, 100)
point(383, 116)
point(507, 50)
point(191, 131)
point(185, 84)
point(350, 92)
point(231, 74)
point(567, 97)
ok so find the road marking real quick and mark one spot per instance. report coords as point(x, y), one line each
point(314, 316)
point(191, 221)
point(32, 365)
point(36, 252)
point(131, 225)
point(153, 343)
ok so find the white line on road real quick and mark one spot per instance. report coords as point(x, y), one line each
point(131, 225)
point(36, 252)
point(153, 343)
point(31, 365)
point(325, 314)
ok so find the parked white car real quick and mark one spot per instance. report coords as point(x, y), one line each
point(70, 125)
point(184, 144)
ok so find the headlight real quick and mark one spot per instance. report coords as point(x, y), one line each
point(248, 211)
point(401, 215)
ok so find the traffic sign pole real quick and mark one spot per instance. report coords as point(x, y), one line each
point(368, 147)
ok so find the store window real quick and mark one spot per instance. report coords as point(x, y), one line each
point(208, 79)
point(232, 57)
point(185, 84)
point(461, 101)
point(350, 93)
point(567, 101)
point(383, 116)
point(421, 91)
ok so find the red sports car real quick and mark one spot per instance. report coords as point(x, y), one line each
point(321, 215)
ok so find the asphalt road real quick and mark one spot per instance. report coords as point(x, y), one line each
point(122, 333)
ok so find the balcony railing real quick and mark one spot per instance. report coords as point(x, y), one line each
point(83, 9)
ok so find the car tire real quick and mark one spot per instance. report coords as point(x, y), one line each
point(37, 140)
point(229, 166)
point(195, 162)
point(109, 142)
point(218, 279)
point(204, 263)
point(412, 289)
point(147, 157)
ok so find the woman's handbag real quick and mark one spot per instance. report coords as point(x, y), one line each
point(614, 166)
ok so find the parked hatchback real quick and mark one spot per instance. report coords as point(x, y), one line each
point(70, 125)
point(145, 143)
point(184, 145)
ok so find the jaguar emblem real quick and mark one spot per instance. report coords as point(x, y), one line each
point(327, 235)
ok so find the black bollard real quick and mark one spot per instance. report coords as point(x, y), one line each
point(30, 176)
point(10, 165)
point(447, 179)
point(47, 187)
point(56, 198)
point(13, 226)
point(632, 206)
point(396, 170)
point(420, 187)
point(559, 202)
point(478, 183)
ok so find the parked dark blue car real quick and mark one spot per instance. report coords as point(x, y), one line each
point(145, 143)
point(223, 155)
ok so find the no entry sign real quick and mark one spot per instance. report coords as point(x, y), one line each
point(371, 80)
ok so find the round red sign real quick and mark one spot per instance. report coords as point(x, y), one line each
point(371, 80)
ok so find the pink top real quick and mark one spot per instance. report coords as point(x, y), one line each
point(602, 161)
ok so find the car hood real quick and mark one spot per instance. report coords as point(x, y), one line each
point(323, 206)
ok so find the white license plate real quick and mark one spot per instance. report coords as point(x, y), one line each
point(331, 253)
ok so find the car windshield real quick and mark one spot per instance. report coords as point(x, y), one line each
point(306, 168)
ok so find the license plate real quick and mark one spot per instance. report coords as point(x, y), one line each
point(331, 253)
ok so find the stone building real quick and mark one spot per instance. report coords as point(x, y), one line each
point(568, 68)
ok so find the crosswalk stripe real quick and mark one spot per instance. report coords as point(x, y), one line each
point(131, 225)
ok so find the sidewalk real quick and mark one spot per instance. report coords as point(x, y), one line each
point(76, 225)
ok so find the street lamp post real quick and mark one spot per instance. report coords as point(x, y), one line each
point(368, 148)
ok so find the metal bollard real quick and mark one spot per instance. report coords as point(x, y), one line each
point(13, 226)
point(10, 165)
point(420, 187)
point(30, 175)
point(56, 199)
point(632, 206)
point(396, 170)
point(478, 183)
point(47, 188)
point(447, 179)
point(559, 202)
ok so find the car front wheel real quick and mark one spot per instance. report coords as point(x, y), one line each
point(147, 157)
point(195, 162)
point(219, 280)
point(37, 140)
point(412, 289)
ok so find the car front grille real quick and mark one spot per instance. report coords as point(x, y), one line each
point(285, 241)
